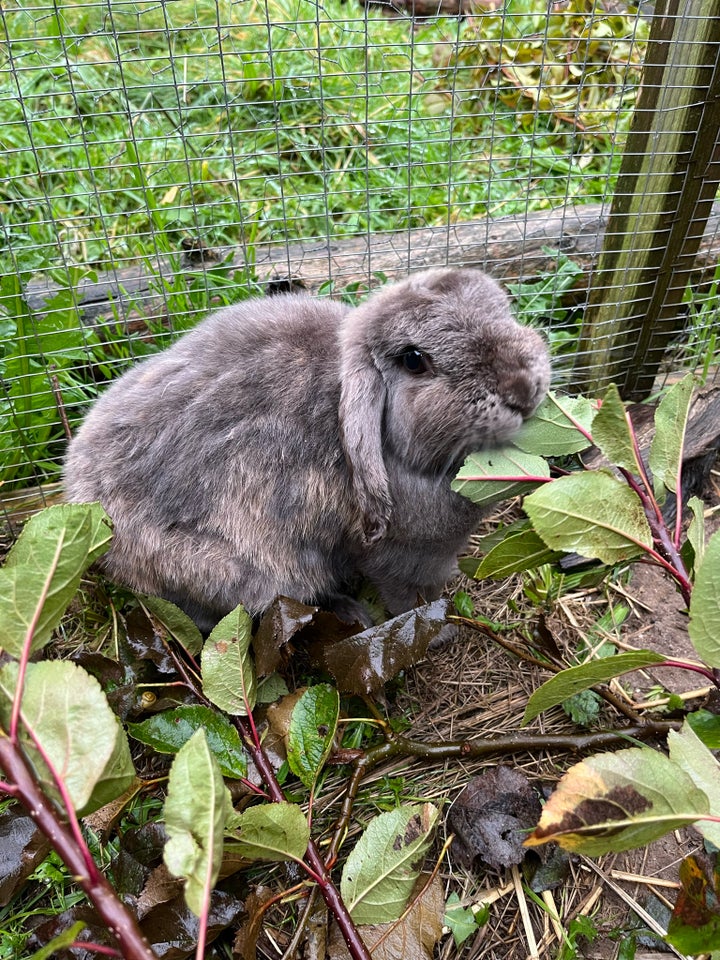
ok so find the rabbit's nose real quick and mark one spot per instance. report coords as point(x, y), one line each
point(520, 392)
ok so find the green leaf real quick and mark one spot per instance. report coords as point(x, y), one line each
point(463, 603)
point(166, 732)
point(552, 430)
point(704, 626)
point(175, 621)
point(313, 725)
point(690, 753)
point(667, 445)
point(197, 807)
point(696, 529)
point(461, 920)
point(43, 570)
point(611, 432)
point(617, 801)
point(591, 513)
point(228, 674)
point(68, 714)
point(381, 870)
point(271, 688)
point(519, 551)
point(273, 832)
point(583, 708)
point(694, 927)
point(499, 474)
point(572, 681)
point(706, 726)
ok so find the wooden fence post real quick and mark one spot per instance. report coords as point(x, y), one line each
point(668, 180)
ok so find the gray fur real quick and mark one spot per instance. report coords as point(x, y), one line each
point(281, 448)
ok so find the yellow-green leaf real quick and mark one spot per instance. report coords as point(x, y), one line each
point(617, 801)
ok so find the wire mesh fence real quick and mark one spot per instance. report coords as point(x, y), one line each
point(164, 158)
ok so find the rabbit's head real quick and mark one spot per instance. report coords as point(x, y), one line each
point(431, 369)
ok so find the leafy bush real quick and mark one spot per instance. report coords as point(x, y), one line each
point(614, 802)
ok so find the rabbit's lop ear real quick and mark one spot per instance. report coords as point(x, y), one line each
point(362, 403)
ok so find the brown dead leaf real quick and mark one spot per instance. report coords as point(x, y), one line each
point(245, 943)
point(363, 663)
point(491, 818)
point(103, 820)
point(160, 887)
point(412, 937)
point(279, 624)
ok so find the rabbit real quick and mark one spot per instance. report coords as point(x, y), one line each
point(296, 446)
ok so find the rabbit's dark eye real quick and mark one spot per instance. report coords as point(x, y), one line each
point(414, 361)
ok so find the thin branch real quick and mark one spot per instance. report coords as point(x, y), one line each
point(114, 914)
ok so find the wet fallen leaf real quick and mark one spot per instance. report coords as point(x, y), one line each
point(22, 848)
point(245, 943)
point(491, 818)
point(278, 626)
point(364, 663)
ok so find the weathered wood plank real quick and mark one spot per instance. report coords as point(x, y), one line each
point(510, 248)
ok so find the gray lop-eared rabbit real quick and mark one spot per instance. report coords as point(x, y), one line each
point(294, 446)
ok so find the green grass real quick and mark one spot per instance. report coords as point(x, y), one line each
point(129, 126)
point(124, 127)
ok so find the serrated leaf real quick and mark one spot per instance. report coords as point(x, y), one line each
point(552, 430)
point(488, 476)
point(228, 673)
point(175, 621)
point(272, 832)
point(617, 801)
point(666, 448)
point(591, 513)
point(611, 432)
point(313, 725)
point(704, 625)
point(519, 551)
point(43, 570)
point(694, 926)
point(197, 807)
point(271, 688)
point(168, 731)
point(381, 870)
point(574, 680)
point(696, 529)
point(690, 753)
point(69, 716)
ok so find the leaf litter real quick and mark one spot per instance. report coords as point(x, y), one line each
point(468, 688)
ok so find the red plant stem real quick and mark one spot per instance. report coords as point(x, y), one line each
point(667, 553)
point(118, 920)
point(96, 948)
point(706, 672)
point(330, 893)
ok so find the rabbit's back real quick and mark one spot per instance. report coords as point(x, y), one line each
point(208, 460)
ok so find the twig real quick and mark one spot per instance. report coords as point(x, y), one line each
point(117, 918)
point(330, 893)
